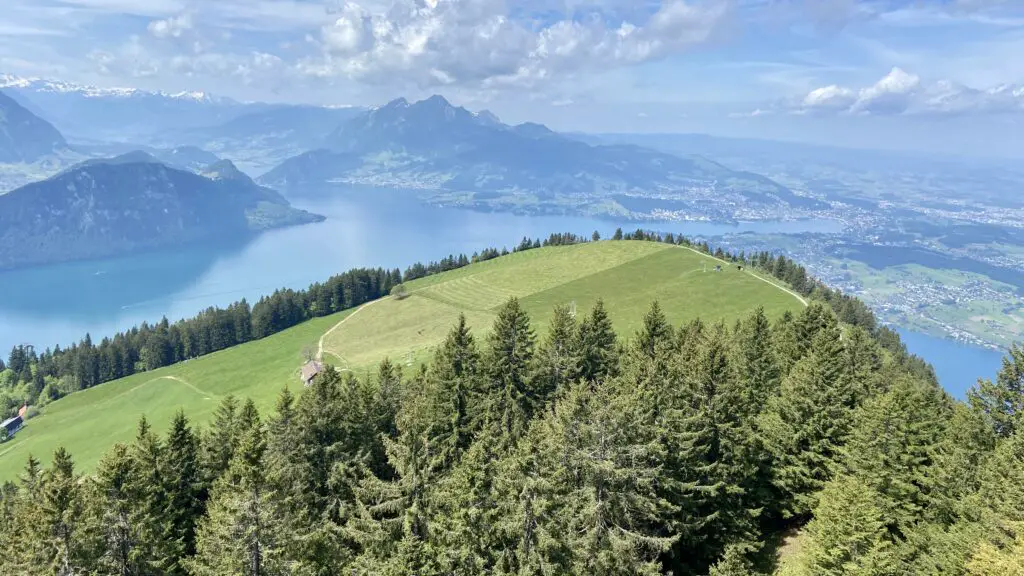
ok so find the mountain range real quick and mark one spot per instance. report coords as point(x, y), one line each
point(130, 203)
point(117, 113)
point(25, 137)
point(435, 146)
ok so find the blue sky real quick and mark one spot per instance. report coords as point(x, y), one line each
point(932, 75)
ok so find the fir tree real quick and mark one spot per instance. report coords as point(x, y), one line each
point(1002, 401)
point(467, 518)
point(807, 424)
point(557, 358)
point(509, 398)
point(242, 532)
point(183, 489)
point(605, 465)
point(147, 454)
point(388, 397)
point(454, 371)
point(892, 447)
point(119, 515)
point(391, 521)
point(847, 535)
point(656, 336)
point(966, 444)
point(219, 442)
point(759, 374)
point(61, 513)
point(596, 343)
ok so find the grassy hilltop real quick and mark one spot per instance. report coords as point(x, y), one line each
point(626, 275)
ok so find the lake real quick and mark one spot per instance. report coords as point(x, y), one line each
point(59, 304)
point(958, 366)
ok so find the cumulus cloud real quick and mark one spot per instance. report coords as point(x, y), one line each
point(173, 27)
point(479, 42)
point(900, 92)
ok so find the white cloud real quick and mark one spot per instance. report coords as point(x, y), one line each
point(478, 42)
point(350, 33)
point(832, 96)
point(171, 27)
point(893, 94)
point(900, 92)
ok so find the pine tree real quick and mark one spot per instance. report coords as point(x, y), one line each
point(509, 398)
point(60, 516)
point(454, 372)
point(596, 345)
point(557, 358)
point(806, 425)
point(391, 520)
point(1002, 401)
point(218, 444)
point(892, 446)
point(467, 518)
point(388, 397)
point(119, 514)
point(966, 444)
point(604, 465)
point(242, 533)
point(183, 488)
point(29, 548)
point(759, 374)
point(847, 535)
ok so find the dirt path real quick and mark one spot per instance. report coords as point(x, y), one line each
point(185, 382)
point(758, 276)
point(320, 345)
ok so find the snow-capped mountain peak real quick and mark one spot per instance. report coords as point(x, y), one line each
point(59, 86)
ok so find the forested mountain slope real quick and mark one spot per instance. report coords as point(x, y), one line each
point(25, 137)
point(131, 203)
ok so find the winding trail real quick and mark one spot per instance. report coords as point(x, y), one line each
point(186, 383)
point(323, 337)
point(320, 345)
point(758, 276)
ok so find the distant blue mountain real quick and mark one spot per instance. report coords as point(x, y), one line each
point(134, 202)
point(25, 137)
point(434, 145)
point(276, 126)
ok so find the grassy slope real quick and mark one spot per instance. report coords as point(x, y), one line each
point(627, 275)
point(87, 423)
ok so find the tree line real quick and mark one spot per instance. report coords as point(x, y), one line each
point(36, 379)
point(33, 378)
point(693, 449)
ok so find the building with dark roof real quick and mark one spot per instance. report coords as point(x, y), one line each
point(11, 425)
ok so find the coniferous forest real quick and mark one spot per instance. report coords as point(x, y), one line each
point(809, 445)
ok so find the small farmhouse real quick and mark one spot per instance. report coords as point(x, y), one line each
point(10, 426)
point(309, 371)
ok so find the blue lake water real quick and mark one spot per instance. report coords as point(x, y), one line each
point(957, 365)
point(59, 304)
